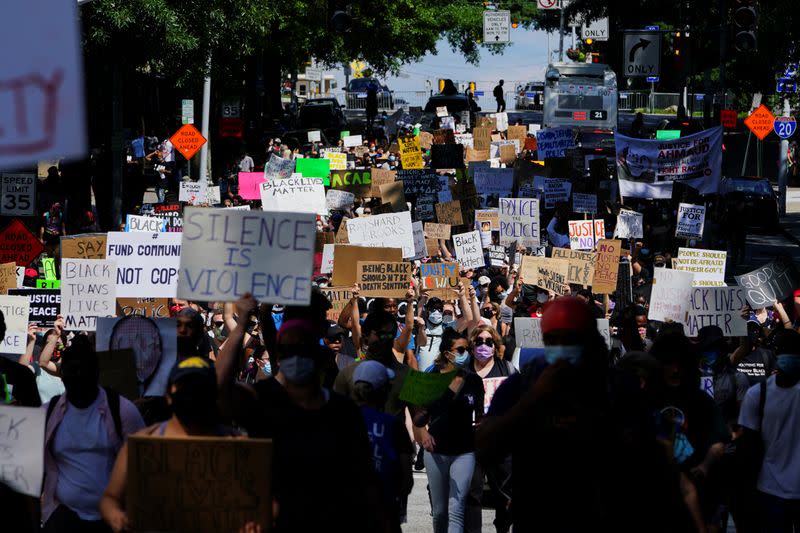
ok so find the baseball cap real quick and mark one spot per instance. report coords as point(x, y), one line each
point(484, 280)
point(373, 373)
point(566, 313)
point(334, 330)
point(710, 338)
point(192, 366)
point(277, 140)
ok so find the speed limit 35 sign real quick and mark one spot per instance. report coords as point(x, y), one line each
point(18, 195)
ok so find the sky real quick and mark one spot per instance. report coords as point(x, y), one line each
point(524, 60)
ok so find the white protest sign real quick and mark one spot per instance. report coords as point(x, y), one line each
point(214, 195)
point(584, 234)
point(336, 199)
point(88, 291)
point(226, 253)
point(193, 192)
point(716, 306)
point(669, 299)
point(553, 142)
point(519, 221)
point(15, 311)
point(278, 168)
point(147, 263)
point(18, 194)
point(42, 114)
point(465, 139)
point(420, 247)
point(351, 141)
point(314, 136)
point(629, 225)
point(502, 121)
point(555, 191)
point(22, 443)
point(442, 111)
point(469, 252)
point(528, 332)
point(691, 219)
point(20, 277)
point(389, 230)
point(327, 259)
point(145, 224)
point(295, 194)
point(338, 160)
point(708, 266)
point(584, 203)
point(533, 128)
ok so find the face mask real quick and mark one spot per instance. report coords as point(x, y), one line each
point(789, 364)
point(187, 346)
point(483, 352)
point(267, 368)
point(709, 359)
point(571, 354)
point(391, 158)
point(541, 298)
point(277, 309)
point(298, 370)
point(435, 317)
point(194, 405)
point(448, 318)
point(461, 359)
point(488, 312)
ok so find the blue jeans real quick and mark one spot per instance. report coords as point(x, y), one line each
point(449, 478)
point(779, 515)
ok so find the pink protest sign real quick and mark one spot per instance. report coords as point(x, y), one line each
point(250, 185)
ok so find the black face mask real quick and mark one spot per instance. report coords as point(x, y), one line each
point(195, 405)
point(81, 392)
point(487, 312)
point(187, 346)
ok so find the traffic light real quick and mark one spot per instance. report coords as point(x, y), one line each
point(472, 87)
point(441, 84)
point(588, 41)
point(745, 18)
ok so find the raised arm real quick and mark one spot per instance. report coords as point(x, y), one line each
point(355, 318)
point(226, 359)
point(401, 343)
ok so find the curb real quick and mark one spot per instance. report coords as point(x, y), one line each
point(790, 236)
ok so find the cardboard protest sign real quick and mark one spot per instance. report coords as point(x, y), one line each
point(554, 142)
point(310, 167)
point(380, 279)
point(584, 203)
point(437, 231)
point(490, 217)
point(519, 221)
point(691, 219)
point(147, 263)
point(423, 388)
point(447, 156)
point(295, 194)
point(388, 230)
point(669, 299)
point(357, 181)
point(227, 253)
point(229, 481)
point(770, 283)
point(584, 234)
point(18, 244)
point(85, 246)
point(392, 193)
point(449, 213)
point(22, 442)
point(425, 140)
point(146, 307)
point(469, 252)
point(145, 224)
point(441, 279)
point(15, 311)
point(44, 305)
point(410, 152)
point(338, 297)
point(18, 195)
point(341, 236)
point(432, 246)
point(250, 184)
point(581, 265)
point(473, 154)
point(708, 266)
point(278, 168)
point(347, 256)
point(547, 273)
point(519, 133)
point(193, 192)
point(88, 291)
point(629, 225)
point(606, 266)
point(508, 153)
point(379, 177)
point(444, 136)
point(481, 138)
point(494, 181)
point(716, 306)
point(335, 199)
point(8, 277)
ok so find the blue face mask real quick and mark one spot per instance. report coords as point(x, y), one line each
point(571, 354)
point(461, 358)
point(267, 368)
point(789, 364)
point(709, 359)
point(435, 317)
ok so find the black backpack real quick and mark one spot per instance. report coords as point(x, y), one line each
point(113, 405)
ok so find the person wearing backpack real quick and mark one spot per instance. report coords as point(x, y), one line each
point(84, 430)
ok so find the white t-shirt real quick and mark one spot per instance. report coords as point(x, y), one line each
point(246, 164)
point(780, 473)
point(167, 151)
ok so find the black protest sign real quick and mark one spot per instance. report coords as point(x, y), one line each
point(419, 182)
point(358, 181)
point(45, 305)
point(624, 284)
point(598, 169)
point(447, 156)
point(770, 283)
point(172, 213)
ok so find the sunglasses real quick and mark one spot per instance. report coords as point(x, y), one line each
point(219, 324)
point(384, 334)
point(460, 350)
point(487, 342)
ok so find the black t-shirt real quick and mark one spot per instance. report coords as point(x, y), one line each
point(500, 369)
point(321, 461)
point(453, 417)
point(22, 381)
point(757, 365)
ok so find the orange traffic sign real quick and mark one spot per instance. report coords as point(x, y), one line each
point(188, 140)
point(760, 122)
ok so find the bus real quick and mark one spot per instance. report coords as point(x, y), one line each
point(580, 95)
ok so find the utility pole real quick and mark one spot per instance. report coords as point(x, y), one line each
point(783, 169)
point(204, 125)
point(561, 36)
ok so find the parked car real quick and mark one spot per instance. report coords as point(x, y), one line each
point(530, 95)
point(356, 94)
point(322, 113)
point(759, 198)
point(455, 104)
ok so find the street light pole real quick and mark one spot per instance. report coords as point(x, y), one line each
point(204, 125)
point(783, 169)
point(561, 36)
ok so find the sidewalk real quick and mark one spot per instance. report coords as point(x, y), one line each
point(791, 222)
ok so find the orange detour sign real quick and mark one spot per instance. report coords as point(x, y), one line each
point(760, 122)
point(188, 140)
